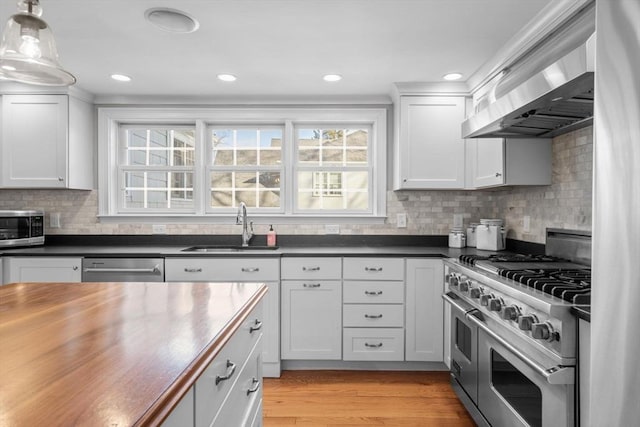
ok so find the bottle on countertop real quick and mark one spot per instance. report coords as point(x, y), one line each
point(271, 236)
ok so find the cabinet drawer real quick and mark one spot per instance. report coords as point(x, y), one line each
point(377, 292)
point(209, 395)
point(373, 315)
point(311, 268)
point(222, 269)
point(373, 268)
point(239, 407)
point(373, 344)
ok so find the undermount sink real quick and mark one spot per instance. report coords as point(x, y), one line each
point(227, 248)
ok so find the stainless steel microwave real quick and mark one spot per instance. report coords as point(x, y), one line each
point(21, 228)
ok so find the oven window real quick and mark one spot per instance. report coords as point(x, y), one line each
point(463, 338)
point(522, 394)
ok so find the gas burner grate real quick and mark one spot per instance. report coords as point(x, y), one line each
point(572, 285)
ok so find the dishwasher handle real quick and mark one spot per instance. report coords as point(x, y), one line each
point(154, 270)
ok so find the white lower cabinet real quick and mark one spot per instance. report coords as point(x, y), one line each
point(373, 344)
point(229, 391)
point(373, 311)
point(424, 321)
point(311, 320)
point(42, 269)
point(311, 316)
point(241, 269)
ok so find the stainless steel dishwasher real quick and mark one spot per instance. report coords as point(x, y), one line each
point(123, 270)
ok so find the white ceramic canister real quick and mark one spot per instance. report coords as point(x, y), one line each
point(457, 239)
point(471, 235)
point(491, 235)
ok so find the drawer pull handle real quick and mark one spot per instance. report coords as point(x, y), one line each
point(373, 269)
point(375, 293)
point(311, 285)
point(250, 269)
point(193, 270)
point(256, 385)
point(373, 345)
point(231, 369)
point(316, 268)
point(373, 316)
point(257, 325)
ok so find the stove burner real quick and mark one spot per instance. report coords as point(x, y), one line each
point(573, 285)
point(472, 259)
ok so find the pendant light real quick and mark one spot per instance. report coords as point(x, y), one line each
point(28, 51)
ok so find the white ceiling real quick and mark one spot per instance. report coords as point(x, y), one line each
point(278, 48)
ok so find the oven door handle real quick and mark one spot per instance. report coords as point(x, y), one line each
point(457, 303)
point(555, 375)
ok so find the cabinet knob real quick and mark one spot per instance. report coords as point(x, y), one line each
point(60, 179)
point(498, 174)
point(75, 268)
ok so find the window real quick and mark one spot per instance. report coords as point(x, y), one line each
point(282, 163)
point(246, 166)
point(156, 169)
point(333, 169)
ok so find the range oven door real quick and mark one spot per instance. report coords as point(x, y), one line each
point(464, 346)
point(514, 391)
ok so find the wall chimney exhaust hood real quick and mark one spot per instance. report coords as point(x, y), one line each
point(554, 101)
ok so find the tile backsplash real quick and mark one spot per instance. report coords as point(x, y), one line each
point(564, 204)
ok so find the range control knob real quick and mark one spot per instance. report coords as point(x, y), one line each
point(542, 331)
point(484, 299)
point(525, 322)
point(495, 305)
point(464, 286)
point(510, 312)
point(475, 293)
point(453, 280)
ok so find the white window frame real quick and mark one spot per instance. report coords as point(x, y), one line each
point(110, 119)
point(251, 168)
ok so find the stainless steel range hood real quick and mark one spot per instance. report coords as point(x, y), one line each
point(554, 101)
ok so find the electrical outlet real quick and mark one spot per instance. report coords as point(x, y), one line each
point(526, 224)
point(159, 229)
point(401, 220)
point(54, 220)
point(331, 229)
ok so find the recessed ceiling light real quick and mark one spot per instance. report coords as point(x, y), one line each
point(171, 20)
point(121, 77)
point(452, 76)
point(332, 78)
point(227, 77)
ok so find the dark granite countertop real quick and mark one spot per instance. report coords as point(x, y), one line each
point(174, 245)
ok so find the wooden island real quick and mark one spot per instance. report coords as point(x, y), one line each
point(128, 354)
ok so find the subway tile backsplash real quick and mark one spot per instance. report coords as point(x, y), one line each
point(564, 204)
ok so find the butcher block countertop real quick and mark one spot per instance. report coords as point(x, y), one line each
point(110, 354)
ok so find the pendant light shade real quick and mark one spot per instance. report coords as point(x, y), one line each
point(28, 51)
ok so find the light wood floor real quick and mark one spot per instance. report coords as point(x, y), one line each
point(362, 398)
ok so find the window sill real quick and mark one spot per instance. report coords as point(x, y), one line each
point(231, 219)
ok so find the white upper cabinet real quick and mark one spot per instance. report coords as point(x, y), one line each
point(514, 161)
point(47, 142)
point(430, 151)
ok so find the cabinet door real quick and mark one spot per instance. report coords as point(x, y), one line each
point(431, 148)
point(489, 162)
point(311, 320)
point(182, 415)
point(34, 140)
point(43, 269)
point(424, 310)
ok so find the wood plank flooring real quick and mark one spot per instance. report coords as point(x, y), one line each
point(362, 398)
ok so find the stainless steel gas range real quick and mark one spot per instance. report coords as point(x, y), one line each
point(513, 336)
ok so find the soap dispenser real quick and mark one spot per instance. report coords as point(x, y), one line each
point(271, 236)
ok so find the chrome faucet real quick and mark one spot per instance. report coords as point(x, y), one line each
point(247, 227)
